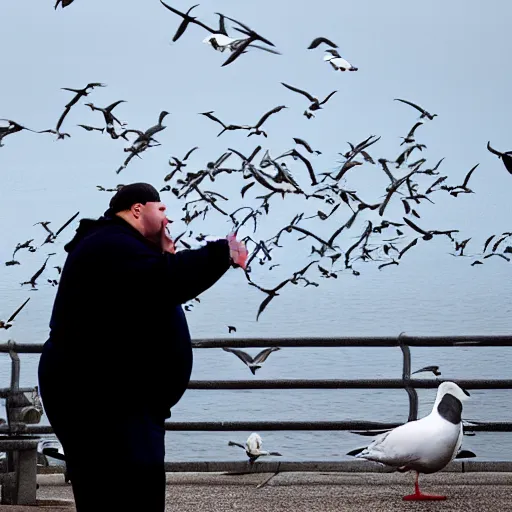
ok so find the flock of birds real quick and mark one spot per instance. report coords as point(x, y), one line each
point(424, 446)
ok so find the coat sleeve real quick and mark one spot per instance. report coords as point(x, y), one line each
point(181, 276)
point(193, 271)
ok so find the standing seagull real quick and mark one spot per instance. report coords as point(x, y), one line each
point(426, 445)
point(253, 364)
point(338, 62)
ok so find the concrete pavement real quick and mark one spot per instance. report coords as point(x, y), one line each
point(485, 491)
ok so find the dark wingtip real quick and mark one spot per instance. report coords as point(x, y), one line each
point(355, 452)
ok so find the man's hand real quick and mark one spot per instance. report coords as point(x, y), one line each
point(166, 241)
point(237, 251)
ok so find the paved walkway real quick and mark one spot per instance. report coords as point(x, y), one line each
point(308, 492)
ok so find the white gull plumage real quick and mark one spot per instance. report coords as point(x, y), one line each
point(338, 62)
point(253, 447)
point(426, 445)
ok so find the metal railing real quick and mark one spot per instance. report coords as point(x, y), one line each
point(410, 385)
point(18, 437)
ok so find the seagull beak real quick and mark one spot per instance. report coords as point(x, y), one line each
point(465, 391)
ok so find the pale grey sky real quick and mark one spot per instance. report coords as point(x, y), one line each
point(449, 57)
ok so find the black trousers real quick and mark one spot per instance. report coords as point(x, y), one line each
point(115, 456)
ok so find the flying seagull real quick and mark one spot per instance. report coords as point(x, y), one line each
point(253, 363)
point(338, 62)
point(316, 104)
point(424, 113)
point(7, 324)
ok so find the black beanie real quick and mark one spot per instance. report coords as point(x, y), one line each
point(128, 195)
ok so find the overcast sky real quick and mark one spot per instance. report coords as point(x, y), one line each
point(449, 57)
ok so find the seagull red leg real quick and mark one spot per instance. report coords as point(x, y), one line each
point(419, 496)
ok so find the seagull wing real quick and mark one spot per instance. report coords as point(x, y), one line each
point(319, 40)
point(262, 356)
point(244, 356)
point(426, 369)
point(213, 118)
point(66, 224)
point(411, 104)
point(507, 160)
point(275, 52)
point(413, 129)
point(493, 150)
point(252, 32)
point(240, 49)
point(468, 175)
point(232, 443)
point(268, 114)
point(300, 91)
point(307, 163)
point(190, 152)
point(303, 143)
point(413, 226)
point(327, 97)
point(13, 316)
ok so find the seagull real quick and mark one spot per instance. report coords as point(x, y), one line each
point(109, 117)
point(229, 127)
point(409, 139)
point(221, 42)
point(434, 369)
point(426, 445)
point(505, 157)
point(33, 279)
point(253, 447)
point(424, 113)
point(13, 127)
point(253, 363)
point(245, 43)
point(7, 324)
point(316, 104)
point(319, 40)
point(79, 93)
point(338, 62)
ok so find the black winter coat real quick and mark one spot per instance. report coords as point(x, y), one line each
point(118, 332)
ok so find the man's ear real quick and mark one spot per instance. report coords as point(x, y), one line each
point(136, 209)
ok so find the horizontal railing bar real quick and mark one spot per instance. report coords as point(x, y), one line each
point(225, 426)
point(358, 341)
point(339, 466)
point(345, 384)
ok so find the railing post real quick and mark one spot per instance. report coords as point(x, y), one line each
point(406, 377)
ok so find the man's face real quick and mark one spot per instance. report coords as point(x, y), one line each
point(152, 217)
